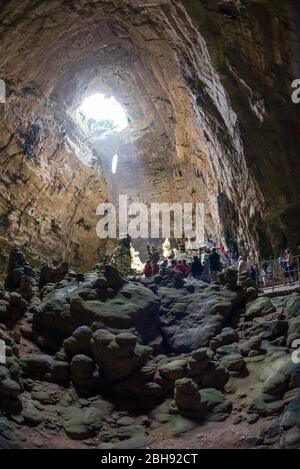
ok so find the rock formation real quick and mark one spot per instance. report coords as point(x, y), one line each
point(177, 358)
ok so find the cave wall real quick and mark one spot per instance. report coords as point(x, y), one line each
point(254, 46)
point(207, 87)
point(48, 197)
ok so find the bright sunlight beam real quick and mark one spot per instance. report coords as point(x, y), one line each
point(114, 164)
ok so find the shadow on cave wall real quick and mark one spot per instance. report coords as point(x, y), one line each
point(229, 220)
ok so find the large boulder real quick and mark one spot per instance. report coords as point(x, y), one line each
point(290, 425)
point(218, 408)
point(254, 343)
point(192, 402)
point(292, 305)
point(226, 337)
point(102, 301)
point(293, 330)
point(82, 423)
point(83, 373)
point(37, 366)
point(12, 308)
point(17, 267)
point(229, 278)
point(287, 377)
point(214, 376)
point(11, 437)
point(169, 372)
point(245, 280)
point(11, 385)
point(118, 356)
point(199, 361)
point(79, 342)
point(259, 307)
point(190, 321)
point(53, 274)
point(187, 397)
point(140, 391)
point(233, 362)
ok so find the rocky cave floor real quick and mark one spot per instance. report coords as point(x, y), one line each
point(137, 363)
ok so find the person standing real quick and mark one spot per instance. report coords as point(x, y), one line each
point(264, 276)
point(148, 269)
point(283, 266)
point(253, 274)
point(214, 265)
point(196, 267)
point(154, 257)
point(289, 262)
point(163, 268)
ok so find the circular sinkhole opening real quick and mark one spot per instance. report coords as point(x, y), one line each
point(102, 115)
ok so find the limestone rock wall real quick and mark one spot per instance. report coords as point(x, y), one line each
point(254, 47)
point(48, 198)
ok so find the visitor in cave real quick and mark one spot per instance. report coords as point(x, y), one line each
point(264, 276)
point(148, 269)
point(163, 268)
point(182, 267)
point(188, 266)
point(204, 260)
point(173, 264)
point(196, 267)
point(154, 257)
point(270, 272)
point(214, 263)
point(172, 254)
point(289, 266)
point(281, 263)
point(222, 249)
point(253, 274)
point(283, 266)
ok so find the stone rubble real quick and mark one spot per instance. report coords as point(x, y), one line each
point(113, 342)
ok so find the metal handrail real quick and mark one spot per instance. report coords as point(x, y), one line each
point(277, 276)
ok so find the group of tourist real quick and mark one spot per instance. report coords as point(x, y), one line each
point(165, 265)
point(287, 267)
point(214, 259)
point(230, 256)
point(205, 269)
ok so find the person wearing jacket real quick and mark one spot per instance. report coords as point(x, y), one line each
point(214, 265)
point(196, 267)
point(181, 265)
point(148, 271)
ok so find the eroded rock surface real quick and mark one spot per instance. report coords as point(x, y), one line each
point(102, 383)
point(191, 320)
